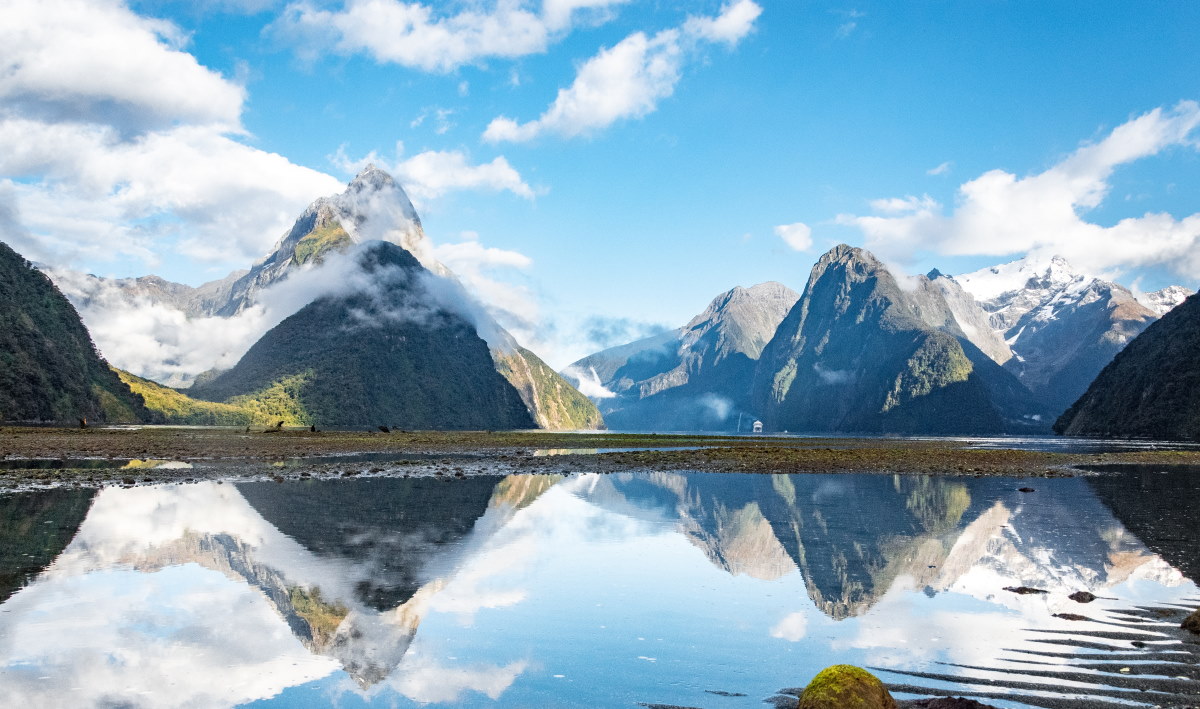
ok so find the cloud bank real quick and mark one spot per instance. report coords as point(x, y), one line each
point(117, 144)
point(424, 37)
point(999, 214)
point(628, 79)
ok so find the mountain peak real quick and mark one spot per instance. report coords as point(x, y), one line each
point(856, 263)
point(372, 178)
point(845, 253)
point(1162, 301)
point(1031, 271)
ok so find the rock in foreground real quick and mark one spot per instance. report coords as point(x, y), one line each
point(846, 687)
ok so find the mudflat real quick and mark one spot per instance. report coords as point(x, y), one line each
point(40, 456)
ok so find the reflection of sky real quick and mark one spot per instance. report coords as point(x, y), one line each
point(582, 598)
point(161, 639)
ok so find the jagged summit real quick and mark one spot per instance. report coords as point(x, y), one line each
point(1032, 272)
point(1062, 325)
point(1163, 300)
point(860, 352)
point(372, 207)
point(846, 254)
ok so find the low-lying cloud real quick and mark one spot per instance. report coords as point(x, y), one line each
point(158, 341)
point(588, 382)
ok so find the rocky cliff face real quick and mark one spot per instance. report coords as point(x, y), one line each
point(49, 368)
point(859, 353)
point(696, 377)
point(1151, 388)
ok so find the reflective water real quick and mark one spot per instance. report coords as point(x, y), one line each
point(698, 590)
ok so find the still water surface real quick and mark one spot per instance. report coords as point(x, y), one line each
point(697, 590)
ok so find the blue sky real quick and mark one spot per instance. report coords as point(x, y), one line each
point(181, 139)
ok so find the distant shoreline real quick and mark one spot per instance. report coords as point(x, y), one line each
point(37, 457)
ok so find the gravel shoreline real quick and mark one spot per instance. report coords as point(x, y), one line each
point(34, 457)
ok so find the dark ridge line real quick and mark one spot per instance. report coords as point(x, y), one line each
point(1126, 624)
point(1099, 634)
point(1144, 624)
point(1033, 701)
point(1144, 618)
point(1150, 679)
point(1165, 607)
point(1131, 662)
point(1079, 643)
point(1101, 691)
point(1132, 656)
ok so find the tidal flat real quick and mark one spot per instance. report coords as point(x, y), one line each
point(130, 455)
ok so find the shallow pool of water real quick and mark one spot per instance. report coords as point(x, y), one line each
point(695, 590)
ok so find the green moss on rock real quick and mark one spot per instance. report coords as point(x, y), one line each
point(846, 687)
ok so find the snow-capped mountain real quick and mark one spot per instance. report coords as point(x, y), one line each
point(1161, 301)
point(1062, 325)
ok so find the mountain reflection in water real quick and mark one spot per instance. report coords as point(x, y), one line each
point(587, 590)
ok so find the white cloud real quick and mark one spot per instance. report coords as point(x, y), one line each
point(78, 59)
point(628, 79)
point(487, 273)
point(903, 205)
point(160, 342)
point(433, 173)
point(588, 382)
point(118, 144)
point(101, 196)
point(117, 637)
point(793, 627)
point(426, 682)
point(998, 213)
point(797, 236)
point(420, 37)
point(941, 169)
point(735, 22)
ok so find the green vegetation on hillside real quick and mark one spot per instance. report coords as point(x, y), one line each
point(555, 404)
point(278, 401)
point(320, 240)
point(388, 357)
point(322, 617)
point(49, 368)
point(178, 408)
point(937, 363)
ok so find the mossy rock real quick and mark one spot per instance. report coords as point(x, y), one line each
point(1192, 622)
point(846, 687)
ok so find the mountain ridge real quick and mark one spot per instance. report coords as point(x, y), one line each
point(690, 378)
point(858, 353)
